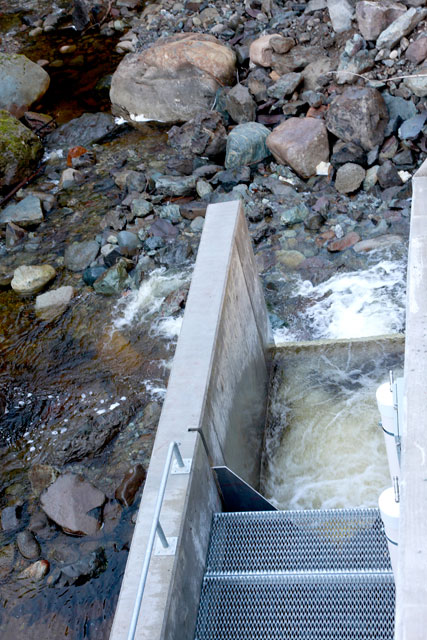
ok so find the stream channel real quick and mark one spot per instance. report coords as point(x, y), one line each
point(101, 368)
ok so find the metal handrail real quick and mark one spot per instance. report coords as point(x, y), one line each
point(155, 528)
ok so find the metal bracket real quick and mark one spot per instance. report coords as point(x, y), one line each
point(170, 550)
point(177, 470)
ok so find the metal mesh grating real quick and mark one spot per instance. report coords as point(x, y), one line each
point(276, 541)
point(344, 607)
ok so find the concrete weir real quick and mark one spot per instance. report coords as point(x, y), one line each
point(218, 384)
point(215, 408)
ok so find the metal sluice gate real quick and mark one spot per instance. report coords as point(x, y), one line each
point(297, 575)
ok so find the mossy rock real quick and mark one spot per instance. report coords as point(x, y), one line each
point(20, 150)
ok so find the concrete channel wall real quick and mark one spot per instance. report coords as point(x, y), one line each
point(411, 583)
point(218, 383)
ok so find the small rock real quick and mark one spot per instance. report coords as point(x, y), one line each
point(30, 279)
point(341, 14)
point(388, 176)
point(75, 152)
point(7, 554)
point(53, 303)
point(83, 131)
point(379, 242)
point(36, 571)
point(175, 186)
point(203, 188)
point(301, 143)
point(128, 243)
point(402, 26)
point(293, 215)
point(68, 502)
point(15, 236)
point(290, 259)
point(349, 177)
point(197, 224)
point(141, 208)
point(344, 152)
point(399, 111)
point(240, 104)
point(347, 241)
point(170, 212)
point(93, 273)
point(79, 255)
point(10, 518)
point(203, 135)
point(417, 50)
point(126, 491)
point(417, 83)
point(114, 280)
point(371, 178)
point(261, 51)
point(90, 566)
point(246, 144)
point(69, 177)
point(25, 213)
point(28, 546)
point(285, 85)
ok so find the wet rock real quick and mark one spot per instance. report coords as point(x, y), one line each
point(285, 85)
point(240, 105)
point(22, 83)
point(343, 243)
point(175, 186)
point(172, 80)
point(53, 303)
point(83, 131)
point(203, 135)
point(39, 525)
point(79, 255)
point(10, 518)
point(93, 273)
point(302, 143)
point(417, 83)
point(411, 128)
point(246, 144)
point(70, 177)
point(126, 491)
point(402, 26)
point(111, 253)
point(15, 236)
point(112, 514)
point(379, 242)
point(27, 545)
point(349, 177)
point(290, 259)
point(388, 176)
point(163, 229)
point(374, 17)
point(128, 243)
point(114, 280)
point(20, 150)
point(88, 567)
point(359, 116)
point(36, 571)
point(341, 14)
point(68, 502)
point(30, 279)
point(75, 152)
point(7, 554)
point(417, 50)
point(399, 110)
point(26, 213)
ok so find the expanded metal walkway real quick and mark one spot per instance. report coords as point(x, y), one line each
point(297, 575)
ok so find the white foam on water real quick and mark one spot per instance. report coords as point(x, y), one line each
point(169, 327)
point(356, 304)
point(155, 390)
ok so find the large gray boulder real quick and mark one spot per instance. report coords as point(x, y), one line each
point(172, 80)
point(359, 116)
point(20, 150)
point(22, 83)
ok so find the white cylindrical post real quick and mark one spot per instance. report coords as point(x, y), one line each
point(390, 512)
point(388, 422)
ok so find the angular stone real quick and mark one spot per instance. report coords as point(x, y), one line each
point(79, 255)
point(68, 502)
point(347, 241)
point(10, 518)
point(14, 235)
point(402, 26)
point(411, 129)
point(285, 85)
point(417, 51)
point(203, 135)
point(341, 14)
point(240, 104)
point(302, 143)
point(417, 83)
point(172, 80)
point(40, 477)
point(128, 243)
point(22, 82)
point(20, 150)
point(246, 145)
point(90, 566)
point(399, 110)
point(359, 116)
point(374, 17)
point(127, 489)
point(141, 208)
point(349, 177)
point(175, 186)
point(114, 280)
point(83, 131)
point(25, 213)
point(388, 175)
point(294, 215)
point(317, 73)
point(344, 152)
point(261, 51)
point(30, 279)
point(53, 303)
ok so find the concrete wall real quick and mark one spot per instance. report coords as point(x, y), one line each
point(218, 383)
point(411, 583)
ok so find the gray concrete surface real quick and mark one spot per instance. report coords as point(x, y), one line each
point(218, 383)
point(411, 583)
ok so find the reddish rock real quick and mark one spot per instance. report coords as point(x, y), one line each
point(323, 238)
point(35, 571)
point(126, 491)
point(74, 152)
point(301, 143)
point(417, 51)
point(343, 243)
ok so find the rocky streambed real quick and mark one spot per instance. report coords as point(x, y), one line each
point(308, 112)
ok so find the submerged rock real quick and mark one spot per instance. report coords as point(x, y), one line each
point(25, 213)
point(127, 489)
point(22, 82)
point(53, 303)
point(90, 566)
point(36, 571)
point(79, 255)
point(114, 280)
point(10, 518)
point(68, 502)
point(30, 279)
point(27, 545)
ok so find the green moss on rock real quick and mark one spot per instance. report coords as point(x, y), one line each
point(20, 150)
